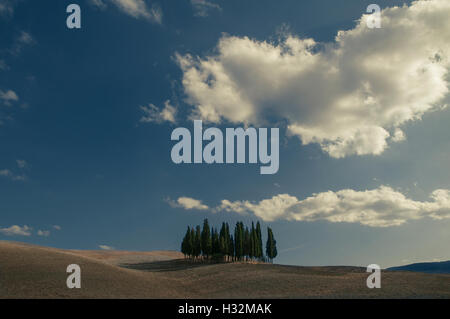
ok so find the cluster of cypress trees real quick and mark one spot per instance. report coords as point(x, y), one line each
point(244, 245)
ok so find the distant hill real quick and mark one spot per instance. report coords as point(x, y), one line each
point(442, 267)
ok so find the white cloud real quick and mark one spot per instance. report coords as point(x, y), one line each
point(98, 3)
point(16, 231)
point(5, 172)
point(3, 65)
point(21, 163)
point(43, 233)
point(9, 174)
point(267, 209)
point(134, 8)
point(138, 9)
point(24, 39)
point(8, 97)
point(202, 7)
point(380, 207)
point(188, 203)
point(106, 247)
point(351, 96)
point(7, 7)
point(153, 114)
point(398, 135)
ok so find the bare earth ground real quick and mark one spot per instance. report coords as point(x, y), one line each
point(28, 271)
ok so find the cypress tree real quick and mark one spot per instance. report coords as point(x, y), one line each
point(183, 246)
point(215, 243)
point(247, 243)
point(259, 245)
point(185, 249)
point(274, 248)
point(239, 240)
point(197, 242)
point(269, 243)
point(231, 252)
point(231, 247)
point(192, 242)
point(222, 245)
point(206, 239)
point(229, 242)
point(253, 242)
point(236, 236)
point(212, 241)
point(223, 239)
point(271, 246)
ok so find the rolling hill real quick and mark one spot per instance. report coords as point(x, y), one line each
point(442, 267)
point(28, 271)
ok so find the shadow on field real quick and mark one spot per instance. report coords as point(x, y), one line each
point(167, 265)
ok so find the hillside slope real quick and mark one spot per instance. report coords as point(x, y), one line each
point(281, 281)
point(28, 271)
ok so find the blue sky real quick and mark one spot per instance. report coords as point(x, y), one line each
point(76, 153)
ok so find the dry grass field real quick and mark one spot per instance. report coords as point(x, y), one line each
point(28, 271)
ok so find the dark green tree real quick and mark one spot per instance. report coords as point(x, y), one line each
point(197, 242)
point(223, 240)
point(192, 242)
point(271, 245)
point(231, 248)
point(239, 241)
point(230, 243)
point(247, 243)
point(253, 242)
point(185, 249)
point(206, 239)
point(259, 244)
point(215, 243)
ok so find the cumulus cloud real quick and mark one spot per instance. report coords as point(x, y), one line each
point(135, 8)
point(351, 96)
point(188, 203)
point(16, 230)
point(43, 233)
point(8, 97)
point(380, 207)
point(267, 209)
point(154, 114)
point(106, 247)
point(203, 7)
